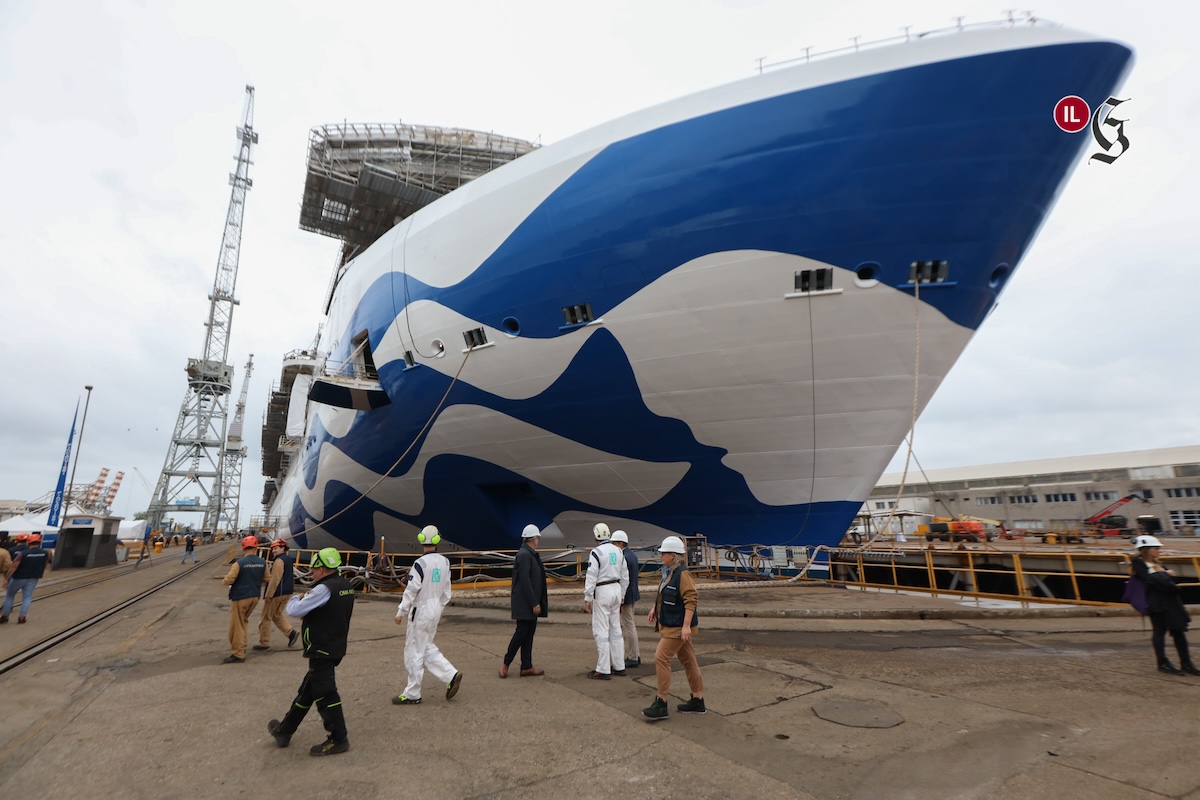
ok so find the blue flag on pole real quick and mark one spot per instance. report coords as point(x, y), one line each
point(56, 506)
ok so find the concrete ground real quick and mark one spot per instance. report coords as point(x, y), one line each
point(983, 705)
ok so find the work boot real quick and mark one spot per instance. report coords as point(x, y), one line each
point(532, 672)
point(632, 662)
point(329, 747)
point(1190, 668)
point(452, 687)
point(21, 620)
point(503, 670)
point(262, 648)
point(405, 700)
point(656, 711)
point(693, 706)
point(232, 659)
point(275, 727)
point(620, 673)
point(293, 636)
point(3, 619)
point(1169, 668)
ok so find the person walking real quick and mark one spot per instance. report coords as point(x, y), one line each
point(675, 618)
point(325, 612)
point(427, 593)
point(529, 601)
point(604, 587)
point(280, 586)
point(28, 567)
point(633, 648)
point(244, 579)
point(1167, 612)
point(189, 549)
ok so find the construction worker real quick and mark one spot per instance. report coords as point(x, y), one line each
point(604, 588)
point(427, 593)
point(245, 580)
point(5, 561)
point(325, 611)
point(28, 567)
point(529, 601)
point(280, 585)
point(674, 617)
point(633, 648)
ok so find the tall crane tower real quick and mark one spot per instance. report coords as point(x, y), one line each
point(196, 455)
point(235, 456)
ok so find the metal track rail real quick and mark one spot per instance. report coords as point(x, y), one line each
point(56, 639)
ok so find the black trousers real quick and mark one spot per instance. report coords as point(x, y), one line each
point(1158, 638)
point(319, 686)
point(522, 638)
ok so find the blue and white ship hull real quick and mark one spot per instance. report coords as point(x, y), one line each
point(747, 256)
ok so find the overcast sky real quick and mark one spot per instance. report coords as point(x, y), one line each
point(117, 123)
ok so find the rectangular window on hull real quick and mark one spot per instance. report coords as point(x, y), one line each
point(929, 271)
point(814, 280)
point(577, 314)
point(476, 337)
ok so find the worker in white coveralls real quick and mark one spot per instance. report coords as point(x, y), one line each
point(604, 589)
point(427, 593)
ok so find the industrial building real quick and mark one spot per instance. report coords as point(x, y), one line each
point(1056, 493)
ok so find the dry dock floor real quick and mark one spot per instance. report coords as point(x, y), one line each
point(1031, 704)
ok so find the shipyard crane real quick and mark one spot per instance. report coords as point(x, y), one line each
point(235, 456)
point(196, 454)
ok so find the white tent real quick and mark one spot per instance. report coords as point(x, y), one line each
point(35, 523)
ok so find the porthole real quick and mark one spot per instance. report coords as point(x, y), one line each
point(866, 274)
point(439, 348)
point(999, 276)
point(511, 325)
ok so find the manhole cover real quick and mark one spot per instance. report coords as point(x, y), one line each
point(857, 715)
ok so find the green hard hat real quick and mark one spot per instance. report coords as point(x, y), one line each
point(326, 557)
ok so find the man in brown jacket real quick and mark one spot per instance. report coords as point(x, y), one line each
point(280, 586)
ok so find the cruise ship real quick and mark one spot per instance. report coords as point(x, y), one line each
point(718, 316)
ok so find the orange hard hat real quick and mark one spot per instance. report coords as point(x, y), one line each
point(249, 541)
point(34, 538)
point(20, 537)
point(279, 543)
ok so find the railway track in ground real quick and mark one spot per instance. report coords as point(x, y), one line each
point(33, 650)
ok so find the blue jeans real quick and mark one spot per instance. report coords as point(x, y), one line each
point(25, 587)
point(187, 553)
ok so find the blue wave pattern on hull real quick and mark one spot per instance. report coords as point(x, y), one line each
point(957, 160)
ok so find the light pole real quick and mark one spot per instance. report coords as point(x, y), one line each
point(78, 447)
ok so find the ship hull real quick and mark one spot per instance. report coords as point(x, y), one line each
point(757, 347)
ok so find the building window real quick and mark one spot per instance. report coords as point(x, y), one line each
point(988, 501)
point(884, 504)
point(1184, 491)
point(1030, 524)
point(1022, 499)
point(1185, 517)
point(1148, 494)
point(1100, 496)
point(1065, 497)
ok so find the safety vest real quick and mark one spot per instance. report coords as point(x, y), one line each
point(31, 565)
point(671, 607)
point(249, 581)
point(327, 627)
point(287, 583)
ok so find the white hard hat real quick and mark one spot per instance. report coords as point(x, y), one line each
point(1146, 541)
point(429, 535)
point(672, 544)
point(600, 532)
point(619, 536)
point(531, 532)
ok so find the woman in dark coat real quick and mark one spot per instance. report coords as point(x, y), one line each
point(529, 601)
point(1167, 612)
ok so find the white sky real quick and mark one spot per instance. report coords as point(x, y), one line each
point(117, 134)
